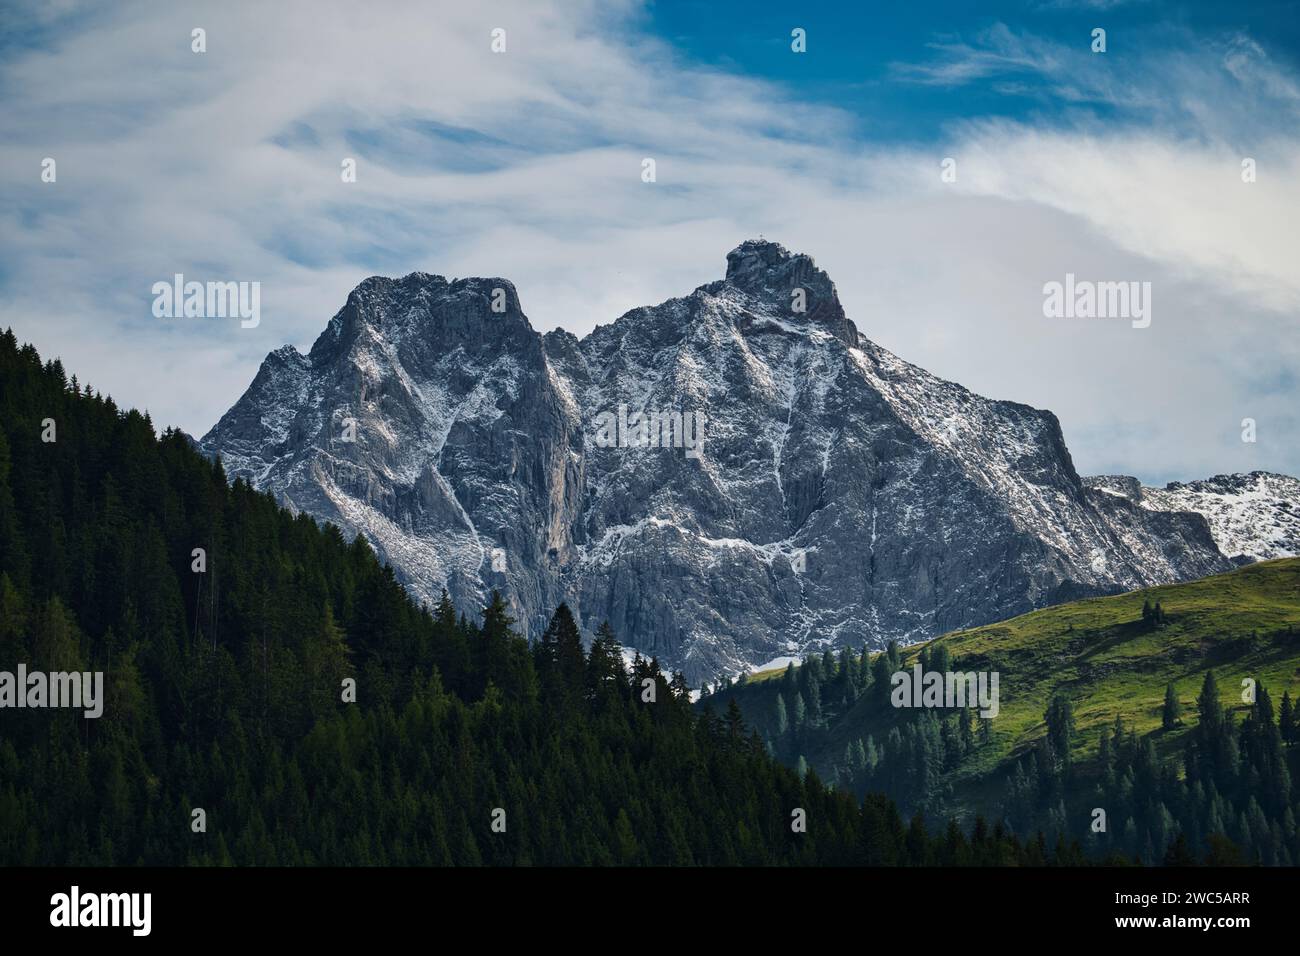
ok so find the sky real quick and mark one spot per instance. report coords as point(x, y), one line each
point(1122, 165)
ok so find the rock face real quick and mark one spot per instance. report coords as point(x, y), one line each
point(1252, 517)
point(839, 495)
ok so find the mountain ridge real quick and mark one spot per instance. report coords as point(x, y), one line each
point(843, 495)
point(1253, 516)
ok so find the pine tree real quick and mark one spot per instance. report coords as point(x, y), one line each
point(1209, 710)
point(325, 663)
point(1171, 716)
point(1060, 726)
point(735, 720)
point(814, 700)
point(782, 719)
point(559, 653)
point(606, 678)
point(864, 668)
point(859, 755)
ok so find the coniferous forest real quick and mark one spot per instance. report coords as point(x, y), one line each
point(225, 693)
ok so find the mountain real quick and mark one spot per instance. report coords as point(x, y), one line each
point(1252, 517)
point(1115, 665)
point(841, 496)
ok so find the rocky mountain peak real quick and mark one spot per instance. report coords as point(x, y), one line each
point(285, 355)
point(758, 256)
point(791, 283)
point(473, 312)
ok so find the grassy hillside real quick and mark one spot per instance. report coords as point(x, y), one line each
point(1243, 624)
point(1098, 652)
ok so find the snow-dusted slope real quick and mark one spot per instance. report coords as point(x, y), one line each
point(1252, 517)
point(841, 495)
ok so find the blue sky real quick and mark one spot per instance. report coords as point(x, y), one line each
point(1122, 166)
point(866, 53)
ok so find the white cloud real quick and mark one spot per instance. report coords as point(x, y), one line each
point(226, 165)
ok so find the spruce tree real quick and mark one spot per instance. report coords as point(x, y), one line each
point(782, 718)
point(1171, 715)
point(1060, 725)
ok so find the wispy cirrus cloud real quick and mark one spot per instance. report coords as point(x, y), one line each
point(995, 52)
point(1212, 87)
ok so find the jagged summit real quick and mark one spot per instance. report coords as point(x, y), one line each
point(375, 297)
point(420, 305)
point(790, 283)
point(840, 496)
point(762, 266)
point(284, 355)
point(758, 255)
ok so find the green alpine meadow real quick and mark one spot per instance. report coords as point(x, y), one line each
point(1171, 710)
